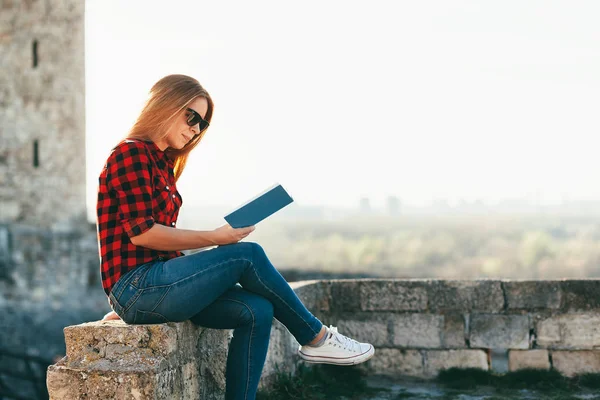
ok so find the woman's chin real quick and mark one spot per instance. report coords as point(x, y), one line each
point(184, 143)
point(178, 146)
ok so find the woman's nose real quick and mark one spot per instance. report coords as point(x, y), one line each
point(195, 129)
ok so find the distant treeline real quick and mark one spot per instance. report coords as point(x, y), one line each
point(461, 247)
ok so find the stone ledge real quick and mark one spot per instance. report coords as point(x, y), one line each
point(532, 295)
point(477, 296)
point(400, 296)
point(115, 341)
point(113, 360)
point(580, 295)
point(315, 295)
point(416, 295)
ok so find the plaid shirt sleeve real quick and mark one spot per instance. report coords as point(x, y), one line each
point(130, 178)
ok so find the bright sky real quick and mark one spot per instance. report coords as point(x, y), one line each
point(342, 99)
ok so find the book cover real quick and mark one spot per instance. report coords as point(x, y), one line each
point(260, 207)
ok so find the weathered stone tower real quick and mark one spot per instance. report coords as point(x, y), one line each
point(49, 268)
point(42, 112)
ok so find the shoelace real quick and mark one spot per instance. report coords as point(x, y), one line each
point(345, 342)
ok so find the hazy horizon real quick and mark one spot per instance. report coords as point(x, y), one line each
point(342, 100)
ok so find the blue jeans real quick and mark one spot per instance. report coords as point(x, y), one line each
point(203, 287)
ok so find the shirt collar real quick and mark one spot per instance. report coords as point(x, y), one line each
point(160, 154)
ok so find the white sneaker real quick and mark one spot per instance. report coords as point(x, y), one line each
point(337, 349)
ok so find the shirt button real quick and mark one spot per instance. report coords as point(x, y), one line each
point(173, 196)
point(167, 187)
point(172, 223)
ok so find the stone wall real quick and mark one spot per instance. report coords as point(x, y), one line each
point(48, 280)
point(42, 112)
point(419, 327)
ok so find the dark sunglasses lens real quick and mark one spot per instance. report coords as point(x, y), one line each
point(192, 119)
point(195, 118)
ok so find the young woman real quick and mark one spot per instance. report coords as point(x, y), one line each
point(232, 286)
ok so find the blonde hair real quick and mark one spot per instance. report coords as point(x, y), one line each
point(168, 99)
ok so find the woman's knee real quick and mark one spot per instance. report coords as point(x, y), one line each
point(252, 248)
point(256, 252)
point(259, 311)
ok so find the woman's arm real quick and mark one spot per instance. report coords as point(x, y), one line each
point(161, 237)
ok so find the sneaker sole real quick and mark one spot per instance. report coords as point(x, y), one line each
point(338, 361)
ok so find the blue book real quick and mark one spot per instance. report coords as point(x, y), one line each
point(260, 207)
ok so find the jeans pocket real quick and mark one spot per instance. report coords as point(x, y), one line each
point(148, 317)
point(127, 290)
point(146, 306)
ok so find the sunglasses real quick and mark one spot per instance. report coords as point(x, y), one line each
point(194, 118)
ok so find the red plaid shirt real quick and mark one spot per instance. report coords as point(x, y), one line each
point(136, 190)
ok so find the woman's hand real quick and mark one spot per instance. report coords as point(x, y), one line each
point(227, 235)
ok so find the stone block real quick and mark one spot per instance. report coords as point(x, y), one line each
point(466, 296)
point(135, 383)
point(373, 330)
point(492, 331)
point(579, 295)
point(571, 363)
point(438, 360)
point(393, 295)
point(66, 383)
point(9, 210)
point(282, 354)
point(395, 362)
point(115, 340)
point(315, 295)
point(210, 355)
point(114, 360)
point(453, 335)
point(60, 11)
point(528, 359)
point(569, 331)
point(418, 330)
point(530, 295)
point(345, 295)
